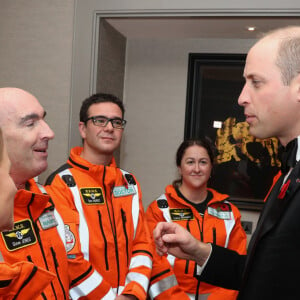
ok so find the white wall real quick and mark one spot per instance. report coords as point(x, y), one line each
point(36, 55)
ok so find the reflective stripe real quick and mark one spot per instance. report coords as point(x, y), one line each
point(139, 278)
point(162, 285)
point(83, 227)
point(140, 260)
point(171, 259)
point(110, 295)
point(135, 206)
point(165, 210)
point(200, 297)
point(86, 286)
point(60, 227)
point(229, 225)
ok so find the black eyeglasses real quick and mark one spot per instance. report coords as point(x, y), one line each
point(102, 121)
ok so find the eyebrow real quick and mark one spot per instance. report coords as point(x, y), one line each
point(32, 116)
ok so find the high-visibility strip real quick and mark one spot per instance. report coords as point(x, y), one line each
point(139, 278)
point(229, 225)
point(83, 227)
point(86, 286)
point(171, 258)
point(162, 285)
point(60, 227)
point(140, 260)
point(135, 206)
point(165, 210)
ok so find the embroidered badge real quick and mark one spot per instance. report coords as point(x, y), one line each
point(70, 238)
point(180, 214)
point(120, 191)
point(48, 220)
point(92, 196)
point(220, 211)
point(21, 236)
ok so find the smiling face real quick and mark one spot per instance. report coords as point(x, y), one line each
point(271, 108)
point(99, 143)
point(25, 132)
point(195, 168)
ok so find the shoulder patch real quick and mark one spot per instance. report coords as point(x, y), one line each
point(69, 180)
point(92, 195)
point(21, 236)
point(70, 238)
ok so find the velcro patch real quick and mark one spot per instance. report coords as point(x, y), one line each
point(21, 236)
point(48, 220)
point(180, 214)
point(92, 196)
point(120, 191)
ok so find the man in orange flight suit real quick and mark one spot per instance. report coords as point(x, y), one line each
point(113, 232)
point(38, 243)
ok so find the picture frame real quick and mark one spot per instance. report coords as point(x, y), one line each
point(245, 165)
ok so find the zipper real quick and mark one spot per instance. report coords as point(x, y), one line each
point(113, 228)
point(56, 270)
point(125, 232)
point(29, 258)
point(104, 239)
point(37, 232)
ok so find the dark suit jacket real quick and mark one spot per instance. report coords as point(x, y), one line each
point(271, 270)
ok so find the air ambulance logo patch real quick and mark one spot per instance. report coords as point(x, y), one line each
point(92, 196)
point(21, 236)
point(181, 214)
point(220, 211)
point(70, 238)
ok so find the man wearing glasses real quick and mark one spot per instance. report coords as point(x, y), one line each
point(112, 228)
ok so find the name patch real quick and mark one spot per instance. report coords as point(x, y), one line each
point(92, 195)
point(120, 191)
point(181, 214)
point(220, 211)
point(47, 220)
point(21, 236)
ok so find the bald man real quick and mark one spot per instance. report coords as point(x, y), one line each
point(39, 234)
point(271, 101)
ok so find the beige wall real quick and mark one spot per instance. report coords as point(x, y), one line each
point(36, 55)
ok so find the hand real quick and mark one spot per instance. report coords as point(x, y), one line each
point(126, 297)
point(174, 239)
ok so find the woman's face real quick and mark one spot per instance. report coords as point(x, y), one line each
point(195, 167)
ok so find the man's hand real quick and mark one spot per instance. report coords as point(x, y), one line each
point(174, 239)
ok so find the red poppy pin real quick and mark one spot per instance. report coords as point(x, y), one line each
point(284, 189)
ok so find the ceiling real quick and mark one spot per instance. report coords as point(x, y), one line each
point(198, 27)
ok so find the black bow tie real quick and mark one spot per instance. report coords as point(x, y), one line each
point(288, 156)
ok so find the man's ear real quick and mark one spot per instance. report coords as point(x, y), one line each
point(297, 83)
point(82, 129)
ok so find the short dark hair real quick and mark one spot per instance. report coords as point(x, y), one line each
point(98, 98)
point(204, 142)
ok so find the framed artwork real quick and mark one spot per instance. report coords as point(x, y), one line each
point(245, 165)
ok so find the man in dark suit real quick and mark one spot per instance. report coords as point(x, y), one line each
point(271, 101)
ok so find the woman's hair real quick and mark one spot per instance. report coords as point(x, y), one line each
point(204, 142)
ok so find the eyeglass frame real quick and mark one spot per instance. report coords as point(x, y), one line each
point(93, 118)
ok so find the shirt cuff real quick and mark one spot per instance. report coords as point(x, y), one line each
point(199, 269)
